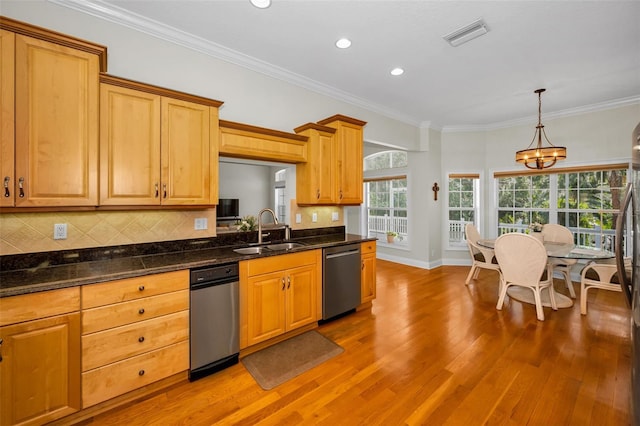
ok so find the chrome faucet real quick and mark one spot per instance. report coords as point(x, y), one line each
point(275, 222)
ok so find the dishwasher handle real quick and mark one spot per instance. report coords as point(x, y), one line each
point(343, 253)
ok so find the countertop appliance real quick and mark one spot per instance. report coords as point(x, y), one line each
point(214, 319)
point(629, 219)
point(341, 280)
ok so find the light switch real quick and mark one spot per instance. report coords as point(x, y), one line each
point(335, 216)
point(314, 217)
point(298, 218)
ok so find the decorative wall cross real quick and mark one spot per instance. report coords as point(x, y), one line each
point(435, 189)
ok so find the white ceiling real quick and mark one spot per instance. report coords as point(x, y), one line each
point(585, 53)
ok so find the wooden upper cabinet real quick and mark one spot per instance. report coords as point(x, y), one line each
point(348, 139)
point(316, 179)
point(186, 161)
point(156, 149)
point(7, 117)
point(56, 124)
point(333, 172)
point(129, 146)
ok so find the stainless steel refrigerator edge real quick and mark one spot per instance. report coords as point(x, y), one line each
point(630, 217)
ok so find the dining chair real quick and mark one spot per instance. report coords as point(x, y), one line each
point(599, 275)
point(481, 257)
point(555, 233)
point(523, 261)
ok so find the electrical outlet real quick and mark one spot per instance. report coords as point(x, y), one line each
point(60, 231)
point(200, 223)
point(314, 217)
point(335, 216)
point(298, 218)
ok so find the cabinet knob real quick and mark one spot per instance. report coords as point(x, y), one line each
point(141, 288)
point(21, 186)
point(7, 179)
point(141, 339)
point(141, 311)
point(141, 373)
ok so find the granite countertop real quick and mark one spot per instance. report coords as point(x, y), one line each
point(22, 274)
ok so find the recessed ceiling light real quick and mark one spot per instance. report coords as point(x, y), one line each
point(397, 71)
point(261, 4)
point(343, 43)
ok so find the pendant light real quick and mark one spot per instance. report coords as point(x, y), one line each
point(540, 157)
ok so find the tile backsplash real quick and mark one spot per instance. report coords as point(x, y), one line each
point(33, 232)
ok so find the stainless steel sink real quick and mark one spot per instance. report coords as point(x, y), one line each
point(283, 246)
point(249, 250)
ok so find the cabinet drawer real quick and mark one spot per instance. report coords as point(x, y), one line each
point(27, 307)
point(368, 247)
point(105, 317)
point(133, 288)
point(282, 262)
point(121, 377)
point(116, 344)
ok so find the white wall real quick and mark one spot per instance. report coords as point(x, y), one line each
point(251, 184)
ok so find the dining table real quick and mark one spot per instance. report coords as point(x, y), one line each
point(559, 251)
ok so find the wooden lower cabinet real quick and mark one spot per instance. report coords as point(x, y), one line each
point(136, 332)
point(40, 358)
point(278, 294)
point(368, 274)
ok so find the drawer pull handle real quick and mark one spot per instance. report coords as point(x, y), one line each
point(164, 190)
point(7, 179)
point(141, 311)
point(363, 266)
point(156, 187)
point(141, 339)
point(282, 283)
point(141, 373)
point(289, 282)
point(141, 288)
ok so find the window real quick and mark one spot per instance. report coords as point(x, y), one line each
point(385, 206)
point(585, 200)
point(280, 188)
point(463, 195)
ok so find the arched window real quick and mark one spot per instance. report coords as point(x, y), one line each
point(385, 209)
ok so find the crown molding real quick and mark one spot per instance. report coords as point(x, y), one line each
point(601, 106)
point(117, 15)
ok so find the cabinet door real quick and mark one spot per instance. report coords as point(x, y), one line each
point(129, 146)
point(40, 370)
point(56, 101)
point(7, 118)
point(186, 160)
point(368, 277)
point(349, 147)
point(301, 296)
point(265, 307)
point(316, 179)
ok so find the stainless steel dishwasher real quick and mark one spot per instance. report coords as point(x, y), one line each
point(340, 280)
point(213, 319)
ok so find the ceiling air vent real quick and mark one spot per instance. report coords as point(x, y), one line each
point(466, 33)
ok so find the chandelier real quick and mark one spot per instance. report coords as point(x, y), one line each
point(540, 157)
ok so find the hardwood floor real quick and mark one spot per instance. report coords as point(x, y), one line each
point(431, 352)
